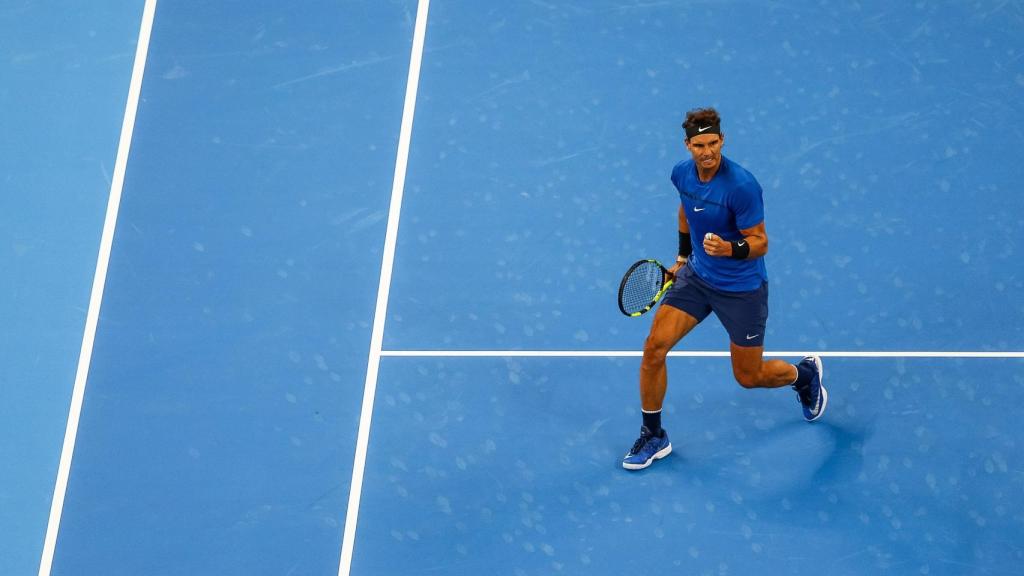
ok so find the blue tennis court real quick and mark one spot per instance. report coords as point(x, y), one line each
point(353, 310)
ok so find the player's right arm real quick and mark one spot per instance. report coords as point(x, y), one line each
point(684, 228)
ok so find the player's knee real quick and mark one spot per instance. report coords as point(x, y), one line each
point(655, 351)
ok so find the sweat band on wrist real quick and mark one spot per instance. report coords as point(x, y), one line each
point(740, 249)
point(685, 247)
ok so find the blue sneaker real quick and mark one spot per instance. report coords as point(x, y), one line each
point(814, 398)
point(647, 449)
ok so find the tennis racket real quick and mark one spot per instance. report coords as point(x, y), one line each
point(643, 285)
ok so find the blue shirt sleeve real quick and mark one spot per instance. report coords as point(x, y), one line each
point(748, 205)
point(677, 176)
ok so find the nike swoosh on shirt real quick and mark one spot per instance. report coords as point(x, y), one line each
point(695, 209)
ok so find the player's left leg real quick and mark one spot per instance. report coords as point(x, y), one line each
point(752, 371)
point(745, 316)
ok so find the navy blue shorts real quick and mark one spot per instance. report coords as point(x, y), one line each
point(744, 314)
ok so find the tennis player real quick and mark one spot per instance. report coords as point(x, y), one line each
point(720, 203)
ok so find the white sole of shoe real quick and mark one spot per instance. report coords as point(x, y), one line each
point(657, 456)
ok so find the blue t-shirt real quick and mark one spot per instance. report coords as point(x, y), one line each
point(730, 202)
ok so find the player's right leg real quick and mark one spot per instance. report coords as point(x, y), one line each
point(669, 326)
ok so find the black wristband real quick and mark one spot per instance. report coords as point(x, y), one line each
point(685, 247)
point(740, 249)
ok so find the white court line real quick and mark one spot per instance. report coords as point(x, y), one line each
point(684, 353)
point(98, 282)
point(388, 259)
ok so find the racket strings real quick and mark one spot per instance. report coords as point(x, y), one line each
point(641, 286)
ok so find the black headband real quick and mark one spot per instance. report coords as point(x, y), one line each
point(698, 129)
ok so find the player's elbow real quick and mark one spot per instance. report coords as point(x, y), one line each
point(759, 247)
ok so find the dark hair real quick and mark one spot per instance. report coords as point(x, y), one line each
point(701, 117)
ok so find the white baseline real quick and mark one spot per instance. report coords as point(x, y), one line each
point(692, 353)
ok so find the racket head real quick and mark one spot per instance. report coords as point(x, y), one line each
point(642, 286)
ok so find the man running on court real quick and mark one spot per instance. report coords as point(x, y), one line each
point(721, 203)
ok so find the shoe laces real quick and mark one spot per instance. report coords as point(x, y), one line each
point(804, 396)
point(640, 443)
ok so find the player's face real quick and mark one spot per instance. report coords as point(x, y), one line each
point(706, 150)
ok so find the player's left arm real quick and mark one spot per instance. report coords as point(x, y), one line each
point(757, 238)
point(754, 244)
point(747, 204)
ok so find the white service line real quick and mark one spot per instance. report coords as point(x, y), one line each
point(686, 353)
point(98, 282)
point(388, 259)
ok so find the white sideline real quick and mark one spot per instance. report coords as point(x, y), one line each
point(98, 282)
point(388, 259)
